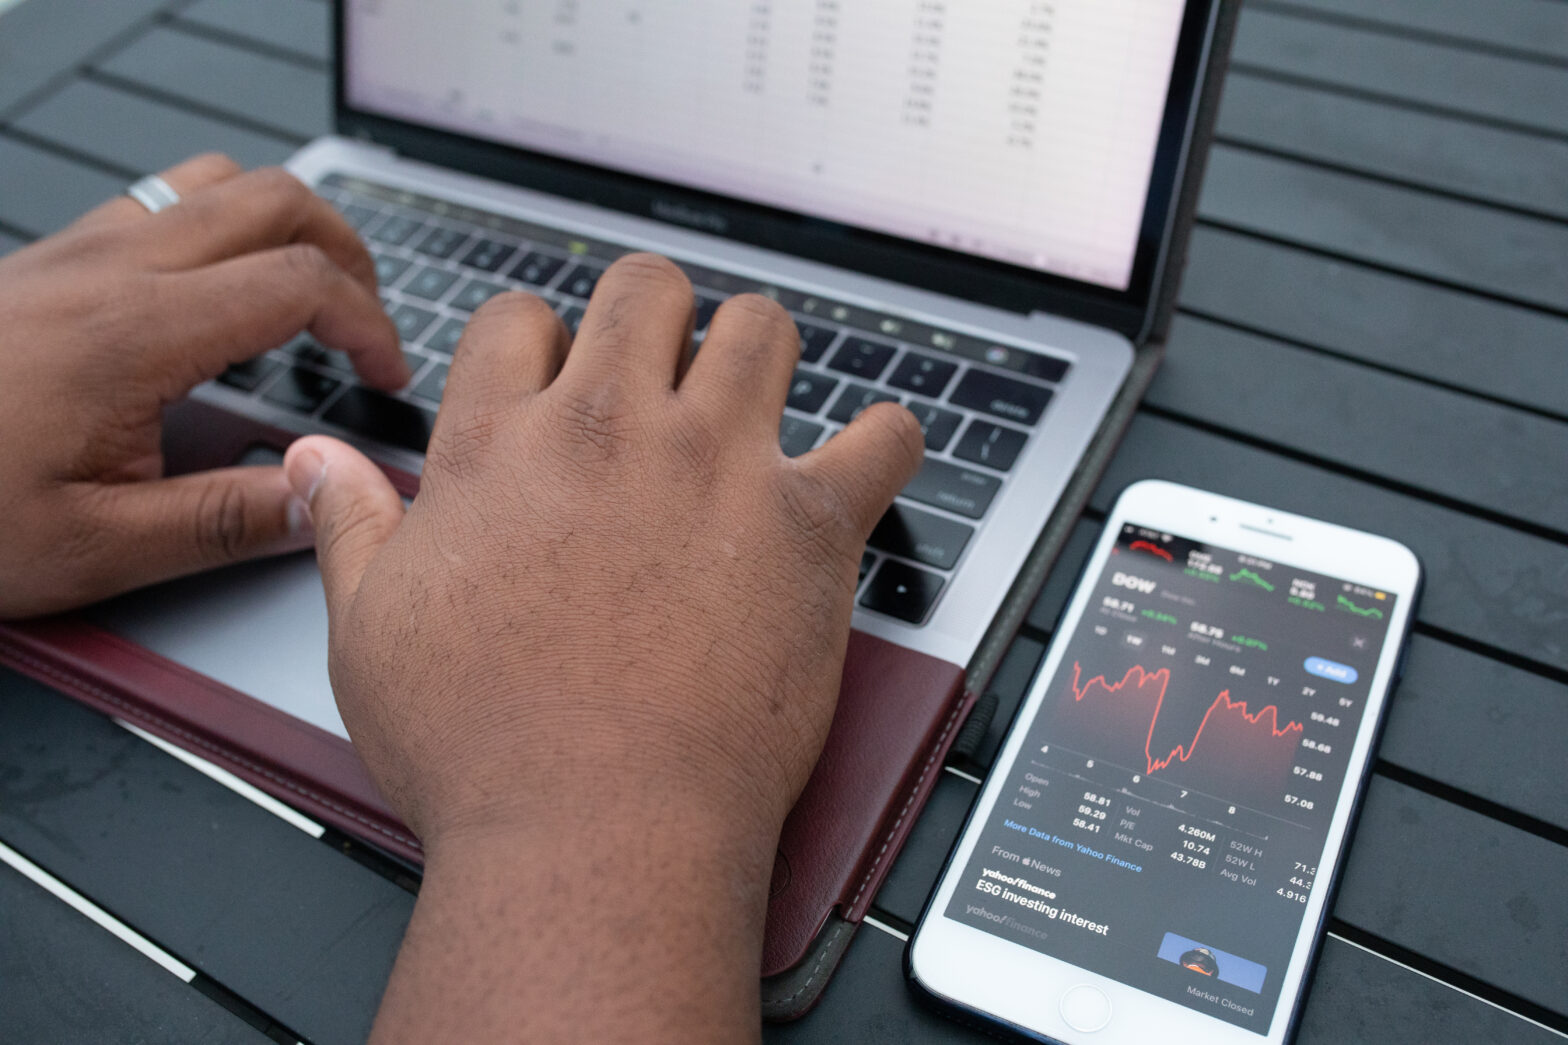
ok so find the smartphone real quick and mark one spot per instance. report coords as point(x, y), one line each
point(1153, 854)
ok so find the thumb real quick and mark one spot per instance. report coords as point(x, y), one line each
point(353, 506)
point(154, 531)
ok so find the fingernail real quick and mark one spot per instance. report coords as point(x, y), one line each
point(306, 471)
point(300, 524)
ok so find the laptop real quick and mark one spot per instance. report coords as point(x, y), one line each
point(976, 210)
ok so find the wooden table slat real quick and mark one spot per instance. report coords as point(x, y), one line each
point(41, 192)
point(110, 124)
point(1457, 446)
point(1486, 86)
point(1486, 582)
point(1465, 341)
point(225, 886)
point(300, 26)
point(1538, 27)
point(1461, 889)
point(62, 978)
point(1502, 253)
point(34, 52)
point(1458, 716)
point(1437, 152)
point(261, 88)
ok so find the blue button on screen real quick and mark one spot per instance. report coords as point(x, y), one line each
point(1328, 669)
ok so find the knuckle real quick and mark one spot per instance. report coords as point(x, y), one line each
point(275, 181)
point(214, 165)
point(594, 420)
point(223, 528)
point(649, 273)
point(511, 310)
point(815, 510)
point(458, 448)
point(307, 262)
point(758, 311)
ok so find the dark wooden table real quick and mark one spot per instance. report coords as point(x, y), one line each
point(1374, 330)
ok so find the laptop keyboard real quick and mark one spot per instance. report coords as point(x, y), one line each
point(977, 401)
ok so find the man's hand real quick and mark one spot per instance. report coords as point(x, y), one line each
point(106, 323)
point(596, 661)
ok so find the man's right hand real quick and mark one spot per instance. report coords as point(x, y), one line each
point(599, 656)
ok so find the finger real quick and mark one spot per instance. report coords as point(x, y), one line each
point(254, 211)
point(512, 348)
point(867, 463)
point(746, 363)
point(354, 508)
point(235, 309)
point(184, 178)
point(154, 531)
point(635, 326)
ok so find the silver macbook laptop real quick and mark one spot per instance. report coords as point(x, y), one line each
point(966, 208)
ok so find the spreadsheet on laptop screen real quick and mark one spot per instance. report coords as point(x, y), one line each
point(1017, 130)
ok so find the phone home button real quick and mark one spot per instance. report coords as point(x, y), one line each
point(1085, 1008)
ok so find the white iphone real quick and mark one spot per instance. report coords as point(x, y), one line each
point(1153, 853)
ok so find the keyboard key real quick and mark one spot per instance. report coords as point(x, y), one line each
point(441, 243)
point(903, 591)
point(808, 391)
point(854, 399)
point(580, 281)
point(867, 560)
point(396, 229)
point(474, 293)
point(249, 375)
point(1046, 368)
point(814, 340)
point(381, 417)
point(429, 283)
point(488, 255)
point(937, 424)
point(991, 445)
point(861, 358)
point(389, 268)
point(445, 338)
point(797, 435)
point(959, 490)
point(922, 536)
point(310, 353)
point(572, 316)
point(923, 375)
point(411, 321)
point(706, 307)
point(302, 390)
point(414, 361)
point(358, 215)
point(537, 268)
point(1001, 396)
point(433, 384)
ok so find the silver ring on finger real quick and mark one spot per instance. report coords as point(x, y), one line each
point(153, 193)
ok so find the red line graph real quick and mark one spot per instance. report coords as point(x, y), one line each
point(1152, 549)
point(1138, 678)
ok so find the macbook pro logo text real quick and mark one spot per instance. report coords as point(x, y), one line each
point(681, 214)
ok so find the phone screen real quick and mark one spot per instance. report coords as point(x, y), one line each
point(1164, 819)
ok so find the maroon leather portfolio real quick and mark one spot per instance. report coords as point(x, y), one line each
point(897, 715)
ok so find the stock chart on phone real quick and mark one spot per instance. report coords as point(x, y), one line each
point(1164, 820)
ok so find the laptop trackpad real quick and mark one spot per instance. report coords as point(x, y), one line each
point(260, 628)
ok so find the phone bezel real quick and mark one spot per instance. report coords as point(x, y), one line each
point(1018, 988)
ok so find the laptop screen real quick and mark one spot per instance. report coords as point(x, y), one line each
point(1020, 131)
